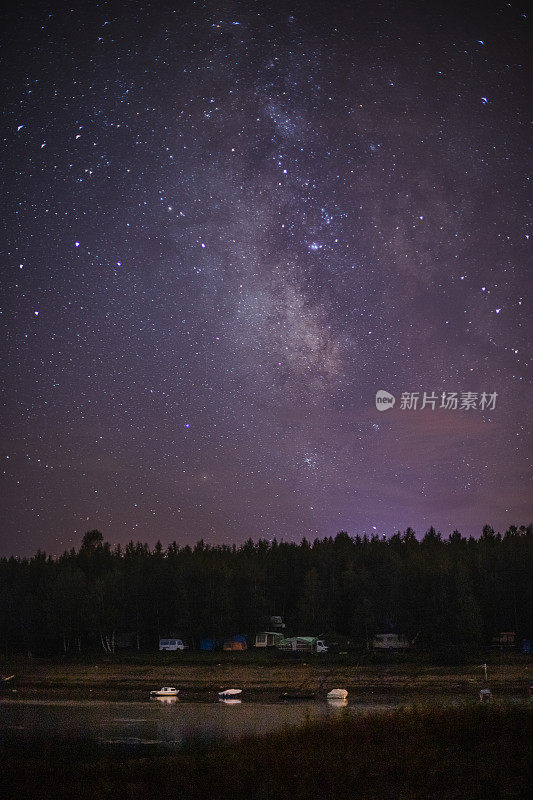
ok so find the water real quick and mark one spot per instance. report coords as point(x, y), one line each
point(151, 722)
point(170, 722)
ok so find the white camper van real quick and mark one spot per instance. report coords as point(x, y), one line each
point(171, 644)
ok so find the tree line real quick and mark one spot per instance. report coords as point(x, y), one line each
point(452, 595)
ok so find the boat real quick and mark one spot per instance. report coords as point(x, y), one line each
point(165, 691)
point(229, 692)
point(297, 695)
point(337, 694)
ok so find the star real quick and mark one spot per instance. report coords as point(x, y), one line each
point(352, 237)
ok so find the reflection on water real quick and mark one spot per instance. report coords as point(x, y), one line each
point(167, 700)
point(170, 721)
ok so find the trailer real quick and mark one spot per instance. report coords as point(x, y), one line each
point(389, 641)
point(303, 644)
point(268, 639)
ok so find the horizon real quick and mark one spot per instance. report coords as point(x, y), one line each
point(355, 537)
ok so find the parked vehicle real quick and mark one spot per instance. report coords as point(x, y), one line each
point(268, 639)
point(505, 640)
point(172, 644)
point(389, 641)
point(306, 644)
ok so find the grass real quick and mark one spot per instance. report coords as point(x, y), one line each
point(419, 753)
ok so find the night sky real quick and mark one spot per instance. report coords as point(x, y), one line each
point(226, 227)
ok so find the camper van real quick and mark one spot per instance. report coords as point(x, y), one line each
point(389, 641)
point(171, 644)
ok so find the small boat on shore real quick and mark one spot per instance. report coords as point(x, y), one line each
point(229, 692)
point(165, 691)
point(297, 695)
point(337, 694)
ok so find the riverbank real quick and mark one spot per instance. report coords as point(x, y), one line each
point(260, 675)
point(473, 753)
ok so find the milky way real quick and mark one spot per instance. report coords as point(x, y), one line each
point(228, 226)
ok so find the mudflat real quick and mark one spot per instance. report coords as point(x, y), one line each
point(203, 674)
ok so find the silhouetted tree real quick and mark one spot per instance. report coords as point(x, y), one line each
point(453, 594)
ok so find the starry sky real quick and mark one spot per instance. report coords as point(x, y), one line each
point(227, 226)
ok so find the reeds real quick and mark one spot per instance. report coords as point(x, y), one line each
point(417, 753)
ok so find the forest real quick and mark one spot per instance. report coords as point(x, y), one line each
point(451, 596)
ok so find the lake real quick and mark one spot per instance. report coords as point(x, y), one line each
point(153, 721)
point(171, 721)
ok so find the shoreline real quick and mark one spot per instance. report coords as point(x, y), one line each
point(41, 675)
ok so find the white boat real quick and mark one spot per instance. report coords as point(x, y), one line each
point(337, 694)
point(229, 692)
point(165, 691)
